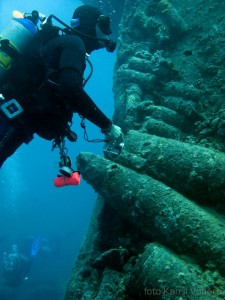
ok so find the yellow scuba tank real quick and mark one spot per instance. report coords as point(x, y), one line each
point(14, 40)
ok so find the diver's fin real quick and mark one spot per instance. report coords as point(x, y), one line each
point(36, 245)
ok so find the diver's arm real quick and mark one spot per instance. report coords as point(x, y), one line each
point(78, 100)
point(89, 110)
point(71, 68)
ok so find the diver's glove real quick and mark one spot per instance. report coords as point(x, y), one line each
point(115, 140)
point(114, 133)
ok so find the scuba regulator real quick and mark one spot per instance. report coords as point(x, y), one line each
point(110, 45)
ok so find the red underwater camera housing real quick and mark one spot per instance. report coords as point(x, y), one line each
point(74, 179)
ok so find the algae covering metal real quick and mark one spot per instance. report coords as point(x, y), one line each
point(158, 228)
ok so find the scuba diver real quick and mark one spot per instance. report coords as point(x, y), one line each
point(44, 86)
point(16, 266)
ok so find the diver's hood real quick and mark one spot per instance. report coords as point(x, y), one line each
point(93, 27)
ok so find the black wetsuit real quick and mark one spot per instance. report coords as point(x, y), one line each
point(50, 90)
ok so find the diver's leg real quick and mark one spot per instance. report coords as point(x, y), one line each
point(12, 135)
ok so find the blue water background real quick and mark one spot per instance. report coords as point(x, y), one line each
point(29, 203)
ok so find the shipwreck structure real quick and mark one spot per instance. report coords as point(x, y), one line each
point(158, 227)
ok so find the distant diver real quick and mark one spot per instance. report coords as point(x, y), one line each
point(16, 266)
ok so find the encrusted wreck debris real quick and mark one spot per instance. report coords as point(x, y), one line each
point(158, 227)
